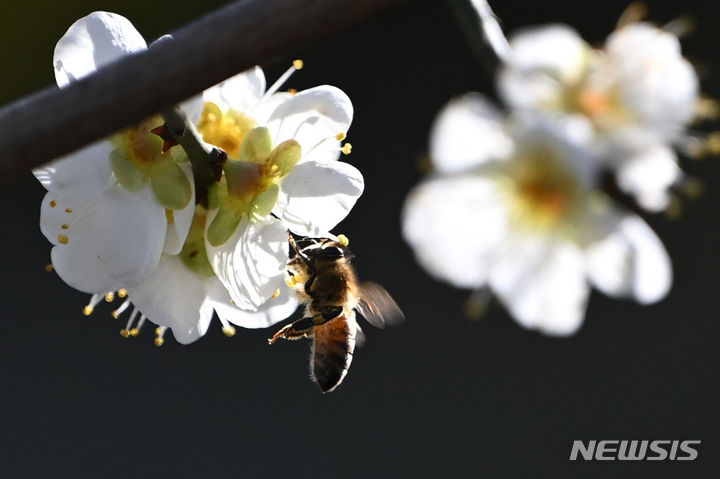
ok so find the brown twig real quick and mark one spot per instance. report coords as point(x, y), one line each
point(53, 122)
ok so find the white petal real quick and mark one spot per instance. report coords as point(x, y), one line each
point(655, 82)
point(271, 312)
point(81, 174)
point(241, 92)
point(629, 260)
point(555, 49)
point(317, 196)
point(177, 230)
point(542, 283)
point(251, 264)
point(649, 175)
point(546, 60)
point(59, 213)
point(262, 111)
point(467, 133)
point(456, 227)
point(77, 262)
point(94, 41)
point(174, 297)
point(313, 117)
point(129, 232)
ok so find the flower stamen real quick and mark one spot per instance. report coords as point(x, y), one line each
point(125, 333)
point(227, 328)
point(297, 65)
point(159, 336)
point(116, 313)
point(94, 300)
point(136, 330)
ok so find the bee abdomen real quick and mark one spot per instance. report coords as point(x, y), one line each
point(332, 352)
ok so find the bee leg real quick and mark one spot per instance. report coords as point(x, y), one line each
point(291, 331)
point(303, 327)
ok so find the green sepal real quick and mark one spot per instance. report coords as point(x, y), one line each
point(256, 145)
point(217, 192)
point(193, 253)
point(285, 156)
point(125, 171)
point(178, 154)
point(263, 203)
point(223, 225)
point(170, 185)
point(243, 179)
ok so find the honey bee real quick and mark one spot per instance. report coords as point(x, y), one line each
point(320, 273)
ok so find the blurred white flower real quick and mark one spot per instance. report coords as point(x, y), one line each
point(282, 173)
point(114, 207)
point(638, 93)
point(513, 207)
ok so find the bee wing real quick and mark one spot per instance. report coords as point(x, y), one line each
point(359, 337)
point(377, 306)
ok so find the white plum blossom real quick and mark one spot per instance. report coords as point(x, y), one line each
point(123, 213)
point(513, 207)
point(114, 207)
point(637, 93)
point(282, 173)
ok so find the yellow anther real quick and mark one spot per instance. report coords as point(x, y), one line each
point(65, 227)
point(707, 109)
point(88, 310)
point(62, 239)
point(159, 341)
point(298, 64)
point(276, 293)
point(122, 293)
point(228, 331)
point(674, 209)
point(134, 332)
point(109, 297)
point(346, 149)
point(692, 187)
point(340, 136)
point(290, 281)
point(292, 91)
point(343, 240)
point(48, 267)
point(712, 144)
point(170, 216)
point(635, 12)
point(53, 204)
point(159, 330)
point(124, 333)
point(115, 314)
point(68, 210)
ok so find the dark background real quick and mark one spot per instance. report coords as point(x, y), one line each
point(440, 396)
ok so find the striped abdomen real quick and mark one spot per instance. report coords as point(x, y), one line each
point(332, 350)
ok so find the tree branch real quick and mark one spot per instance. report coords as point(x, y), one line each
point(54, 122)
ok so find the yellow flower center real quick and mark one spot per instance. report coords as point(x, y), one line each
point(250, 186)
point(140, 145)
point(224, 130)
point(542, 189)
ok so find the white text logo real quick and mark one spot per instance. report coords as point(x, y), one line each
point(635, 450)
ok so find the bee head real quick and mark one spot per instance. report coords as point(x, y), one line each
point(314, 249)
